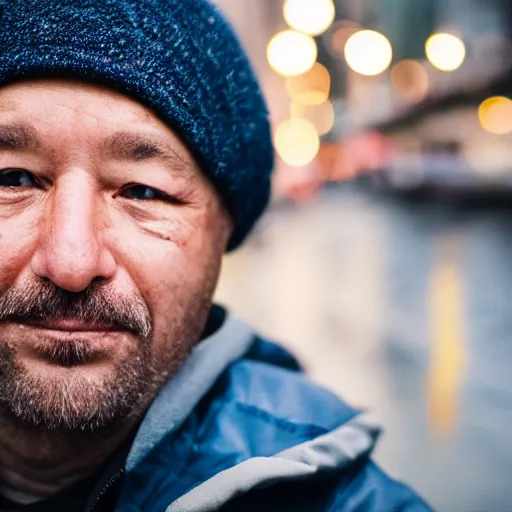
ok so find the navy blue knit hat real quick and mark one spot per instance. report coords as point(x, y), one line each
point(178, 57)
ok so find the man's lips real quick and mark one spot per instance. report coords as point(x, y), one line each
point(72, 326)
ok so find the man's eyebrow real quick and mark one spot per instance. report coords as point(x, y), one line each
point(139, 147)
point(18, 137)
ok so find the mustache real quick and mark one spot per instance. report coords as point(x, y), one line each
point(44, 301)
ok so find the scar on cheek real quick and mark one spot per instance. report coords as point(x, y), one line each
point(177, 232)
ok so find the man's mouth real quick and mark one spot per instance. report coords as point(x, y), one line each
point(65, 342)
point(69, 325)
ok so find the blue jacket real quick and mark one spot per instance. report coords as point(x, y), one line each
point(240, 428)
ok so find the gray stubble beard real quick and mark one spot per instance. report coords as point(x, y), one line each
point(76, 405)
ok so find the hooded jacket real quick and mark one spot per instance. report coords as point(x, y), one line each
point(240, 428)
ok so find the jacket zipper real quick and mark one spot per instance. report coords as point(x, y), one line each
point(94, 506)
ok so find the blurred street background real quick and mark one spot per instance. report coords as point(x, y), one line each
point(385, 260)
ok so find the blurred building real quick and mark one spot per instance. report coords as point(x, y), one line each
point(423, 115)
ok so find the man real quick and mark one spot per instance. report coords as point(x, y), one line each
point(134, 151)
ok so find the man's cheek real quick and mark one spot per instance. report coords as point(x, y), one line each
point(15, 252)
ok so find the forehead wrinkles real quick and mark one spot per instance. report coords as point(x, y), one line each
point(80, 99)
point(84, 113)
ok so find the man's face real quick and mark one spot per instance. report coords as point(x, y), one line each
point(110, 247)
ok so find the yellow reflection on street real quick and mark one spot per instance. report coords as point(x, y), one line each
point(446, 297)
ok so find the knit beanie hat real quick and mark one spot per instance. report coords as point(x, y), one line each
point(178, 57)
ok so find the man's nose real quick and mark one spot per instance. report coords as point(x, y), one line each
point(72, 251)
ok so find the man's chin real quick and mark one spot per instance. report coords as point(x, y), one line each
point(55, 397)
point(96, 373)
point(68, 391)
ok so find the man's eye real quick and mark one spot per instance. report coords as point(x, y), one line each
point(145, 193)
point(141, 192)
point(17, 178)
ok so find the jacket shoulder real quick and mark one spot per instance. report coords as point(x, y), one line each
point(283, 393)
point(363, 488)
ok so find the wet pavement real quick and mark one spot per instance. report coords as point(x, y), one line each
point(406, 310)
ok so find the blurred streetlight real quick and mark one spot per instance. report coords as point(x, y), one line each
point(446, 52)
point(321, 116)
point(312, 17)
point(410, 79)
point(495, 115)
point(297, 142)
point(312, 87)
point(368, 52)
point(291, 53)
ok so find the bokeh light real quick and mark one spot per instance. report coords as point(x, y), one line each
point(495, 115)
point(368, 52)
point(312, 17)
point(340, 34)
point(410, 79)
point(312, 87)
point(291, 53)
point(320, 116)
point(446, 52)
point(297, 142)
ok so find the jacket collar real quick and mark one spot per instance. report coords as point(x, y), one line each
point(180, 395)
